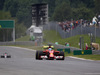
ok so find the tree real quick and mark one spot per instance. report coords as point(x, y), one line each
point(5, 15)
point(97, 6)
point(62, 12)
point(22, 9)
point(1, 4)
point(24, 12)
point(20, 30)
point(88, 3)
point(82, 13)
point(75, 3)
point(12, 6)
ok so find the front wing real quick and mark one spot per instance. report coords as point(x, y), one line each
point(55, 57)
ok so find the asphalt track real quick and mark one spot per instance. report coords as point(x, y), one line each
point(23, 63)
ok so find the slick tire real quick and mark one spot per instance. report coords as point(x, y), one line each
point(2, 57)
point(61, 54)
point(9, 56)
point(38, 54)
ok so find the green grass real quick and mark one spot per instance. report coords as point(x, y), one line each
point(52, 36)
point(24, 38)
point(92, 57)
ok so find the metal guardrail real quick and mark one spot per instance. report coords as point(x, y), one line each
point(31, 43)
point(76, 31)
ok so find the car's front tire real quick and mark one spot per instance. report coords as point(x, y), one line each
point(2, 56)
point(9, 56)
point(38, 55)
point(61, 54)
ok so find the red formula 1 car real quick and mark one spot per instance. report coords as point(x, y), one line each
point(50, 55)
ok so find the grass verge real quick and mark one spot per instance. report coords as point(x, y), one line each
point(92, 57)
point(24, 38)
point(53, 36)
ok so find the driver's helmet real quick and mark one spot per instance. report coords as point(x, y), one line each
point(50, 49)
point(5, 53)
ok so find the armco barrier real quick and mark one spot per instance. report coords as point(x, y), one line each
point(87, 52)
point(82, 52)
point(77, 52)
point(30, 43)
point(67, 50)
point(60, 49)
point(64, 50)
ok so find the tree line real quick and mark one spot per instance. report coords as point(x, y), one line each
point(59, 10)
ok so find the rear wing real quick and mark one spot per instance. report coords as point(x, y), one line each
point(46, 47)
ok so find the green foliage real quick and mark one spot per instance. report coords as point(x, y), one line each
point(62, 14)
point(97, 6)
point(21, 9)
point(82, 13)
point(82, 3)
point(5, 15)
point(59, 10)
point(89, 3)
point(73, 9)
point(24, 38)
point(20, 30)
point(24, 12)
point(59, 2)
point(12, 6)
point(2, 4)
point(76, 3)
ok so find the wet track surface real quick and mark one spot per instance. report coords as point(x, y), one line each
point(23, 62)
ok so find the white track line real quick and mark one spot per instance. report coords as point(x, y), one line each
point(80, 58)
point(92, 73)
